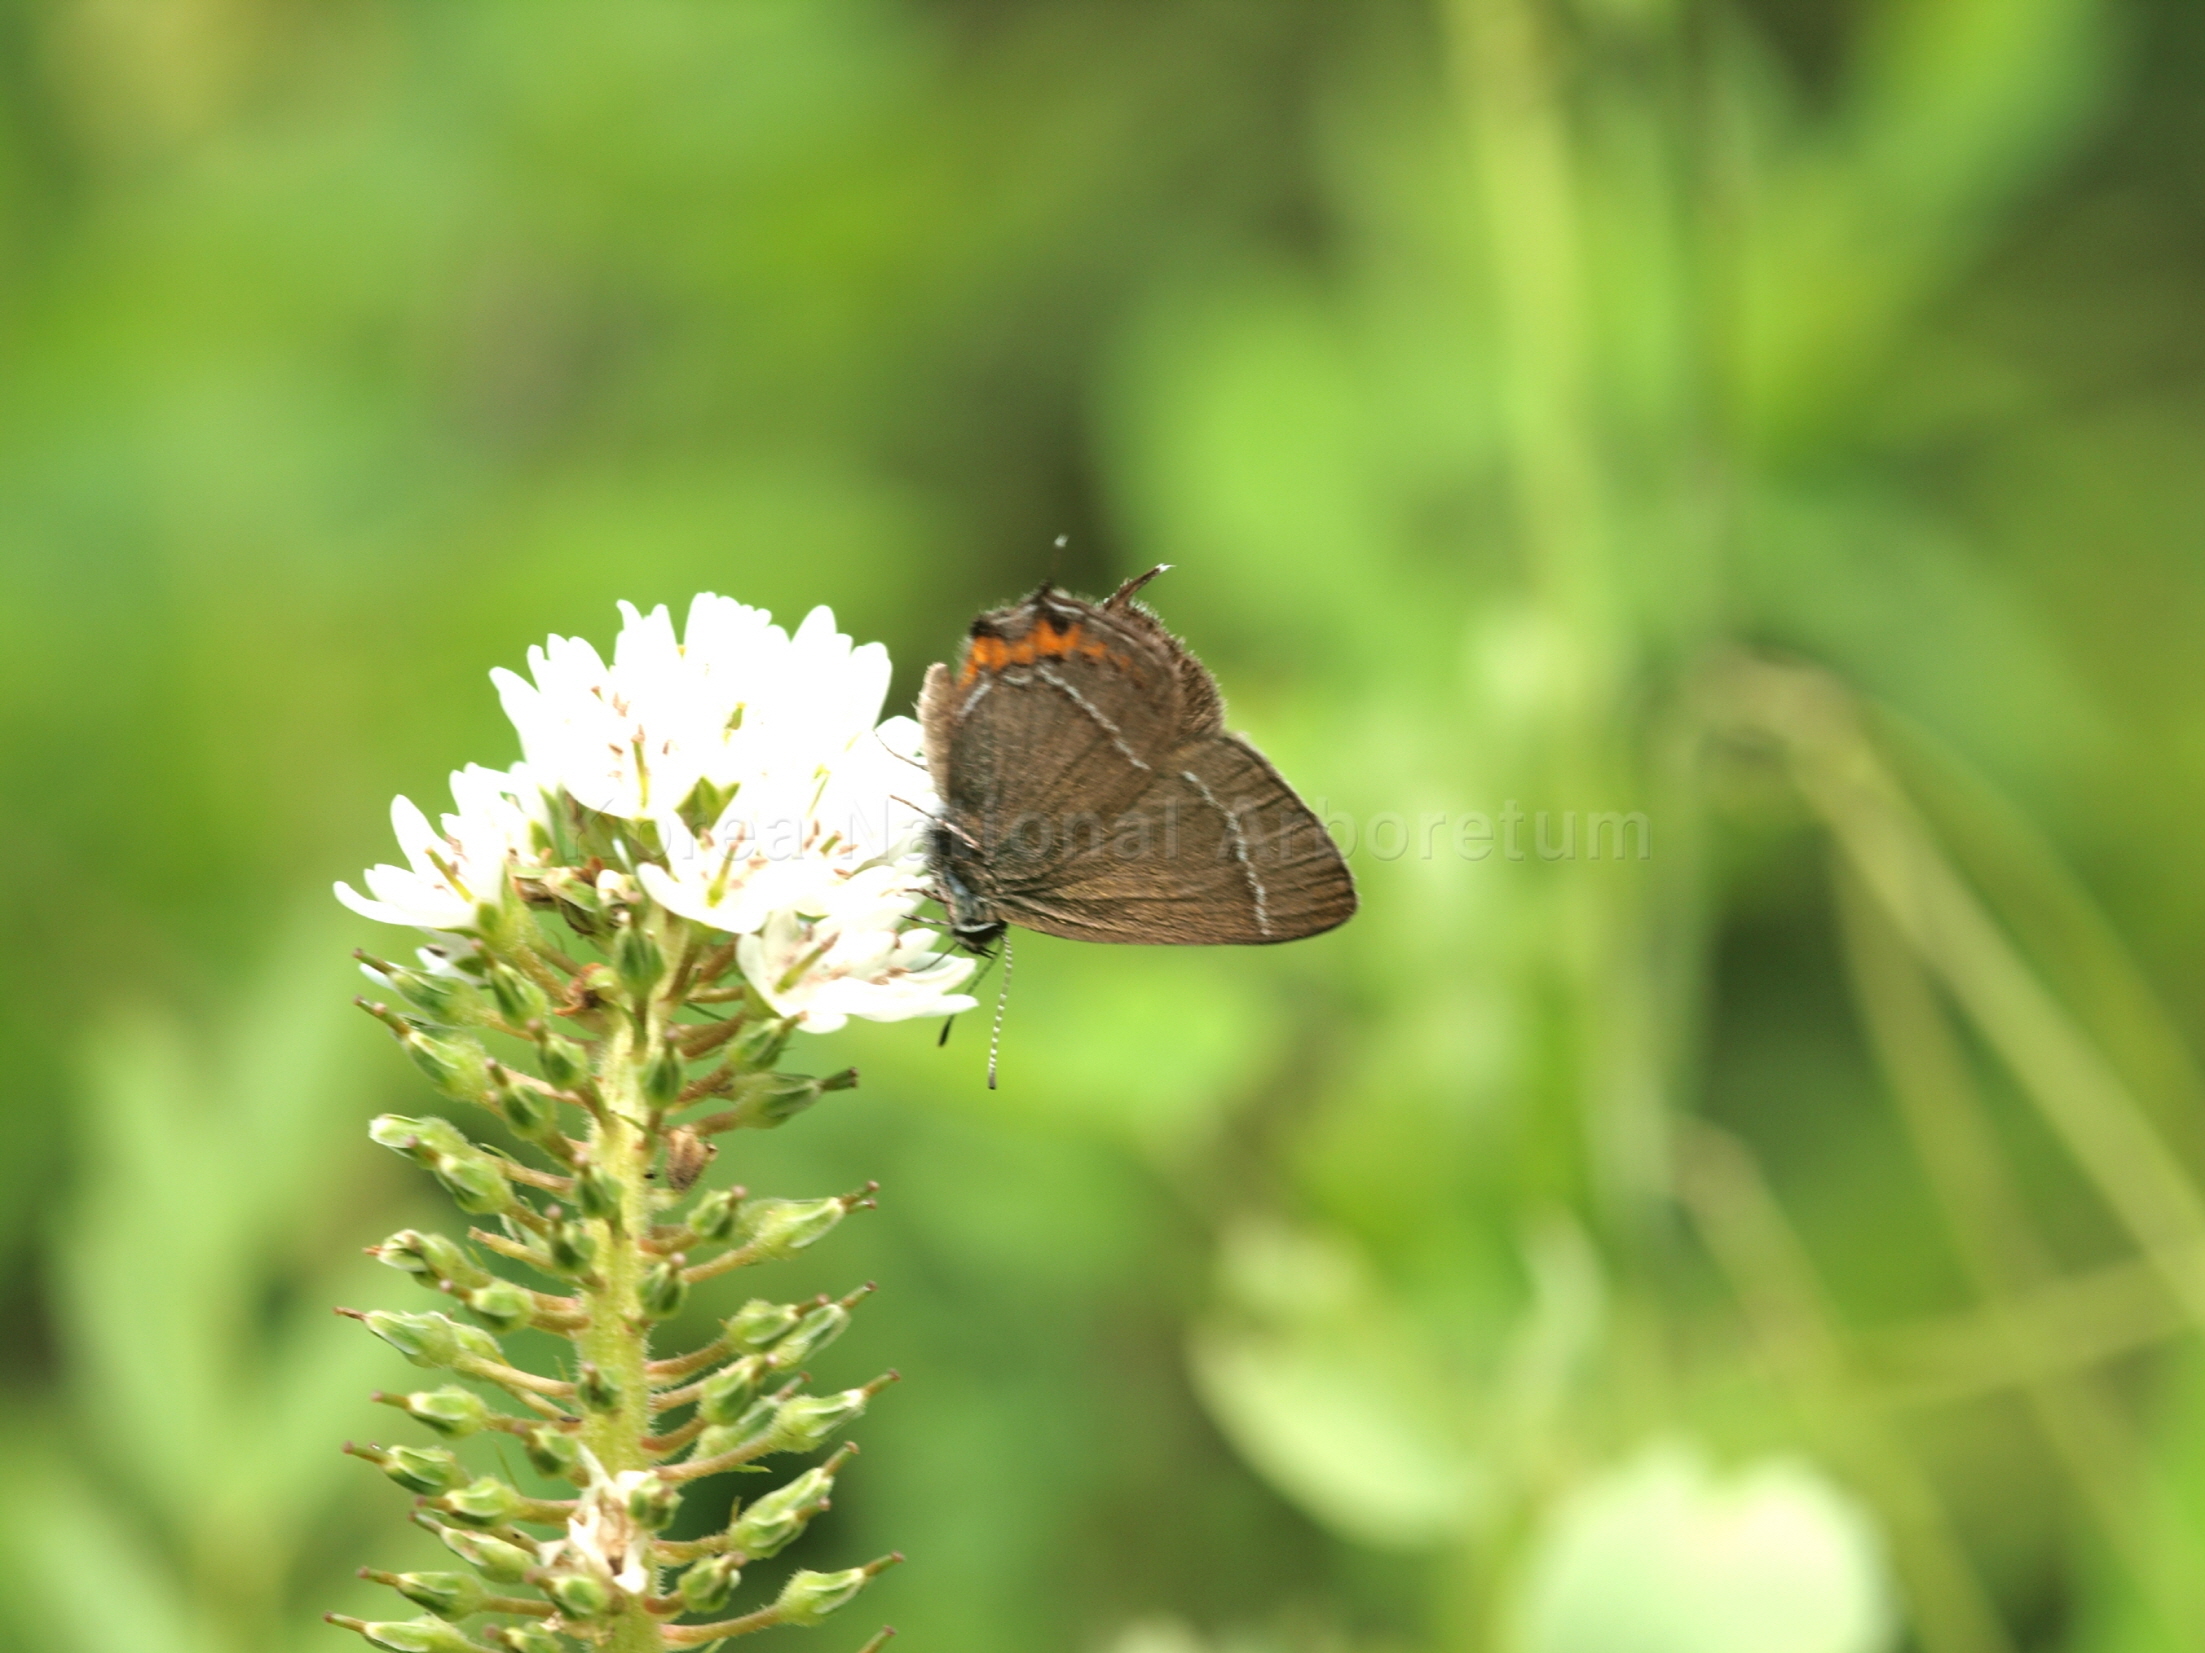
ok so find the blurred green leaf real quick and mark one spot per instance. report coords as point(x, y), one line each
point(1663, 1555)
point(1319, 1385)
point(189, 1465)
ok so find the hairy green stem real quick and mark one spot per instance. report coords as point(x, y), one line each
point(618, 1338)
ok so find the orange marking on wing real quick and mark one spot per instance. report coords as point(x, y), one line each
point(1049, 640)
point(993, 654)
point(986, 654)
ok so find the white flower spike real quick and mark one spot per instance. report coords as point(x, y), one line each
point(705, 848)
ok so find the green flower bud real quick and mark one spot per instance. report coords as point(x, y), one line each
point(757, 1428)
point(727, 1394)
point(447, 1595)
point(456, 1064)
point(722, 1437)
point(596, 1391)
point(759, 1323)
point(487, 1502)
point(809, 1597)
point(779, 1229)
point(519, 1000)
point(423, 1469)
point(554, 1451)
point(433, 1257)
point(501, 922)
point(501, 1305)
point(524, 1638)
point(714, 1216)
point(663, 1290)
point(573, 1248)
point(572, 888)
point(579, 1595)
point(450, 999)
point(476, 1184)
point(760, 1045)
point(764, 1100)
point(529, 1112)
point(820, 1326)
point(420, 1140)
point(653, 1504)
point(450, 1411)
point(430, 1339)
point(805, 1422)
point(495, 1558)
point(562, 1062)
point(596, 1193)
point(404, 1251)
point(707, 1586)
point(664, 1077)
point(416, 1636)
point(593, 987)
point(637, 959)
point(770, 1525)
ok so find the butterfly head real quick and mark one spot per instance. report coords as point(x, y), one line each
point(970, 922)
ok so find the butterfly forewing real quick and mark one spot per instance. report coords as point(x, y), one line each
point(1053, 714)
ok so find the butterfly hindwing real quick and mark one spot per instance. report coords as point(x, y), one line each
point(1217, 850)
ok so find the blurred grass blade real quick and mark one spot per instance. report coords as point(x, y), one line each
point(2077, 1091)
point(1746, 1232)
point(1999, 1247)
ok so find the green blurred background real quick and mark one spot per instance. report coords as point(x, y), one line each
point(1785, 418)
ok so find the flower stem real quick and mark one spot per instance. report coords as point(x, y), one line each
point(617, 1341)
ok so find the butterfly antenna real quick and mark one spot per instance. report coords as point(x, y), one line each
point(900, 757)
point(1002, 998)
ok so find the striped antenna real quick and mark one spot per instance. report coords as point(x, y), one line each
point(1002, 998)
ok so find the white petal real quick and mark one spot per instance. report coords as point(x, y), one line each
point(383, 912)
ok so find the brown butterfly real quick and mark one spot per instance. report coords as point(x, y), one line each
point(1090, 790)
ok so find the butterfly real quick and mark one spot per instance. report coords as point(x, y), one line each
point(1091, 790)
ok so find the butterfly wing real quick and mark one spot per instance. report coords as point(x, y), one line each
point(937, 720)
point(1217, 850)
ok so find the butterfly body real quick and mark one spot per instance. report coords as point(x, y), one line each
point(1091, 790)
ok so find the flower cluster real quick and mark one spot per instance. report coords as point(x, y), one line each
point(709, 845)
point(737, 777)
